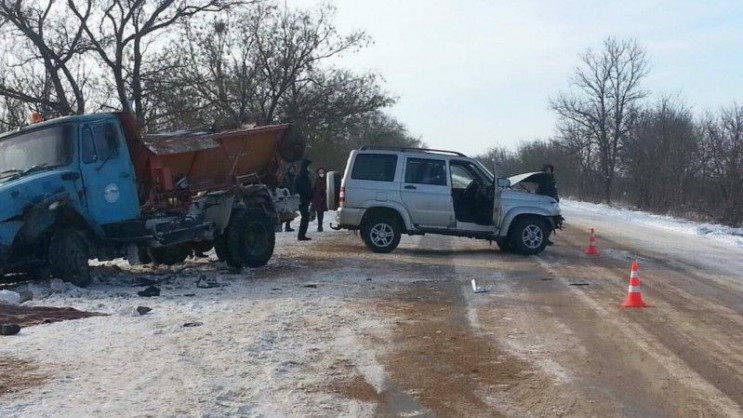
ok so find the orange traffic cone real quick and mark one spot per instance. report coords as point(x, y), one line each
point(591, 249)
point(634, 296)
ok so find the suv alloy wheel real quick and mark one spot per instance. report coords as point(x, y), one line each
point(529, 235)
point(381, 235)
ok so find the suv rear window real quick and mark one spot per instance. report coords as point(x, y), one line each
point(375, 167)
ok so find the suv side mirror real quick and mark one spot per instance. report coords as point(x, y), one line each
point(504, 183)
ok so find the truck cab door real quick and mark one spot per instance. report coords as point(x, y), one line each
point(108, 175)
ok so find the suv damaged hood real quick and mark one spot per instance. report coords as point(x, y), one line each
point(17, 194)
point(533, 177)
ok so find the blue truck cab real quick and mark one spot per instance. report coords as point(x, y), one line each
point(58, 178)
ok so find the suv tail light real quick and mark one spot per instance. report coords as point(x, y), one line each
point(342, 196)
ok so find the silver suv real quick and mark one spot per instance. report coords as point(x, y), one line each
point(386, 192)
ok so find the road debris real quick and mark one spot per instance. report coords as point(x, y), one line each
point(478, 289)
point(9, 329)
point(143, 310)
point(149, 292)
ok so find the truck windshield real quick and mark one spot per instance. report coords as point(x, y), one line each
point(28, 151)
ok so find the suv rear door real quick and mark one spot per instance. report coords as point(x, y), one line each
point(426, 192)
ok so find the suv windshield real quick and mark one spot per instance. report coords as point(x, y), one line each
point(28, 151)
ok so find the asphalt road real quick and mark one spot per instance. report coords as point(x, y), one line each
point(549, 338)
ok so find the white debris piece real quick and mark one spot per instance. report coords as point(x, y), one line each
point(478, 289)
point(9, 297)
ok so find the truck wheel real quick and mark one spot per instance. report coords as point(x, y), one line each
point(529, 235)
point(251, 238)
point(381, 235)
point(68, 257)
point(144, 255)
point(171, 254)
point(222, 250)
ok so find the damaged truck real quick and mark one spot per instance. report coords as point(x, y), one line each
point(90, 186)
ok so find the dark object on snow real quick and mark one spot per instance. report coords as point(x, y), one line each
point(311, 286)
point(579, 284)
point(193, 324)
point(9, 329)
point(189, 295)
point(207, 282)
point(149, 292)
point(143, 281)
point(26, 316)
point(143, 309)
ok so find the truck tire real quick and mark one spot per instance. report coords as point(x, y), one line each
point(68, 257)
point(144, 255)
point(381, 234)
point(222, 250)
point(171, 254)
point(529, 235)
point(251, 237)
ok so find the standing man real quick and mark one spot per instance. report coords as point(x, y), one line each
point(303, 187)
point(288, 183)
point(548, 187)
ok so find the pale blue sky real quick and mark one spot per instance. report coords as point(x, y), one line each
point(471, 74)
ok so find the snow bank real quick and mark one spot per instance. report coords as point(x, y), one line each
point(721, 233)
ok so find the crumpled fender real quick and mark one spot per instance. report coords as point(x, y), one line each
point(38, 218)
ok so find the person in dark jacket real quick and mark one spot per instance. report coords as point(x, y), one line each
point(319, 197)
point(288, 183)
point(303, 187)
point(549, 186)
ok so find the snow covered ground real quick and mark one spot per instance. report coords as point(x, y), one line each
point(271, 342)
point(712, 248)
point(721, 233)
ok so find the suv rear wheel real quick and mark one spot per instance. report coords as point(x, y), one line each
point(381, 235)
point(529, 235)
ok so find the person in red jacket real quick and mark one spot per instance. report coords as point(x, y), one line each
point(319, 197)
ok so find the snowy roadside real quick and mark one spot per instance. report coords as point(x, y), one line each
point(716, 232)
point(271, 342)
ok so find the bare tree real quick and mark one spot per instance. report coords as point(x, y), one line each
point(122, 31)
point(41, 56)
point(265, 65)
point(723, 137)
point(606, 92)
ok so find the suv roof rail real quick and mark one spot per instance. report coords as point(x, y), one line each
point(403, 149)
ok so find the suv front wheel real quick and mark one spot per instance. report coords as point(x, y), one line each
point(381, 235)
point(529, 235)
